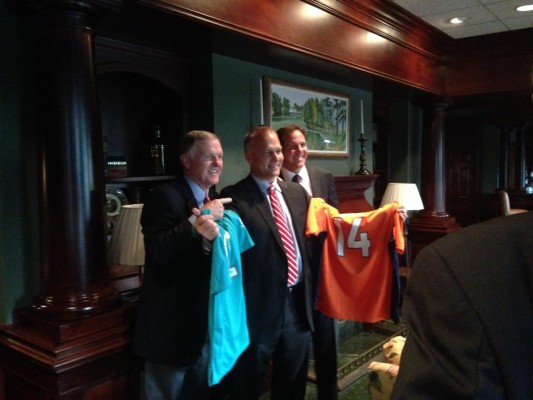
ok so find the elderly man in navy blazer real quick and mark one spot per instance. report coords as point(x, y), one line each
point(171, 328)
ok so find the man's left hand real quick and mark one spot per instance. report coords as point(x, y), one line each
point(403, 212)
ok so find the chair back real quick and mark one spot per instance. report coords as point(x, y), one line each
point(505, 205)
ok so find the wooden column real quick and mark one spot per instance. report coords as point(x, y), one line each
point(75, 276)
point(433, 222)
point(72, 342)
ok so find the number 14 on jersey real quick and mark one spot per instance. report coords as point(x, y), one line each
point(355, 240)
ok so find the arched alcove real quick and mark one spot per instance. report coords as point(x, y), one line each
point(130, 106)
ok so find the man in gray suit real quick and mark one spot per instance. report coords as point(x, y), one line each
point(469, 311)
point(318, 183)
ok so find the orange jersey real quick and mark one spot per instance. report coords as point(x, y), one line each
point(356, 275)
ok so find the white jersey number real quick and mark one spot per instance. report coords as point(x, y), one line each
point(352, 242)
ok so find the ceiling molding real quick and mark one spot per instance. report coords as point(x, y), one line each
point(391, 22)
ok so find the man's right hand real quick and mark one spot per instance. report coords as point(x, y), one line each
point(216, 207)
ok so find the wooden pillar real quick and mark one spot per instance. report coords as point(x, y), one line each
point(75, 276)
point(72, 342)
point(433, 222)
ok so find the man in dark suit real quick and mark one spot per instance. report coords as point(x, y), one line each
point(469, 311)
point(171, 327)
point(279, 312)
point(319, 183)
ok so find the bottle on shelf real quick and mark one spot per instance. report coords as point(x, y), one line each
point(157, 153)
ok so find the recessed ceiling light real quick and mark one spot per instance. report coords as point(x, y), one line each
point(457, 20)
point(525, 7)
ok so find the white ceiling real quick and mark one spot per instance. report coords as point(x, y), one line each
point(482, 16)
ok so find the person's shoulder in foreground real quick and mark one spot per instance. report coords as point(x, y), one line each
point(468, 308)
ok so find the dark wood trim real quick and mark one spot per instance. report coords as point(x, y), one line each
point(68, 360)
point(497, 63)
point(314, 37)
point(444, 66)
point(351, 192)
point(389, 20)
point(117, 56)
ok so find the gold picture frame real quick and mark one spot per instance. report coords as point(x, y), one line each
point(324, 114)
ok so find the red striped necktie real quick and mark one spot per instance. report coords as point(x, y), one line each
point(286, 236)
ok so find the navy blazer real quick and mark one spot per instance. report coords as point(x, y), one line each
point(265, 264)
point(171, 324)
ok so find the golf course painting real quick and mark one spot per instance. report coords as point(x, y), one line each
point(323, 114)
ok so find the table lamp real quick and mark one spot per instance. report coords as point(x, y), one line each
point(407, 195)
point(126, 248)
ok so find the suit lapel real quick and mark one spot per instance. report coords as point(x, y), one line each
point(316, 181)
point(213, 194)
point(186, 193)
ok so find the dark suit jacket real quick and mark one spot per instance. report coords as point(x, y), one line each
point(469, 310)
point(171, 325)
point(322, 185)
point(265, 264)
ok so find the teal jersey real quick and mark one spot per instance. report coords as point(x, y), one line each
point(228, 329)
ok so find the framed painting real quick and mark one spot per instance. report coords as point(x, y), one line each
point(322, 113)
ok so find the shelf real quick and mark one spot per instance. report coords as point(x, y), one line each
point(137, 186)
point(140, 179)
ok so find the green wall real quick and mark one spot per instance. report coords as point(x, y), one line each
point(19, 243)
point(237, 108)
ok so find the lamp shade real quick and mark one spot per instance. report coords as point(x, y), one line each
point(127, 241)
point(404, 193)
